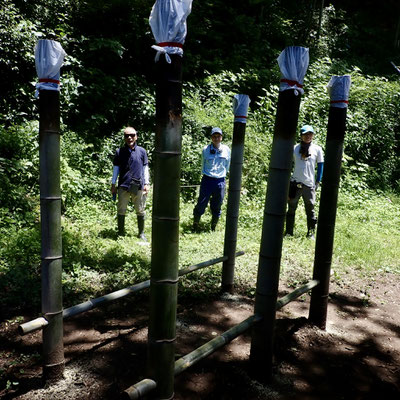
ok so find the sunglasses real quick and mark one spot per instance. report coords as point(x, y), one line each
point(127, 135)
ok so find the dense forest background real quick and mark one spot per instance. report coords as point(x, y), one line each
point(231, 47)
point(108, 74)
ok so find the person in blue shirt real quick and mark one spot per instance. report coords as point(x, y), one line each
point(131, 164)
point(303, 182)
point(216, 159)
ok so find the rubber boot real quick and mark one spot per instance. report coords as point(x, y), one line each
point(289, 224)
point(121, 225)
point(196, 223)
point(140, 222)
point(214, 222)
point(311, 228)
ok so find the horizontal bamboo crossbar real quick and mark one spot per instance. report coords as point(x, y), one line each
point(296, 293)
point(41, 322)
point(210, 347)
point(143, 387)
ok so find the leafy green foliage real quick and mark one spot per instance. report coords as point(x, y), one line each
point(19, 172)
point(19, 266)
point(18, 38)
point(374, 128)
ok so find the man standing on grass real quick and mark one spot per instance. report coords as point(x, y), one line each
point(303, 183)
point(131, 164)
point(215, 158)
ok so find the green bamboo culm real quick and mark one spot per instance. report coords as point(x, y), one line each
point(165, 229)
point(232, 212)
point(261, 352)
point(51, 247)
point(328, 206)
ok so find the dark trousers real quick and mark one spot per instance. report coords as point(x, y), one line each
point(213, 190)
point(308, 195)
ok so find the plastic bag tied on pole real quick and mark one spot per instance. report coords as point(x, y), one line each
point(338, 89)
point(293, 63)
point(168, 24)
point(240, 106)
point(49, 56)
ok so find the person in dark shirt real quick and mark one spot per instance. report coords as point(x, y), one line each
point(131, 165)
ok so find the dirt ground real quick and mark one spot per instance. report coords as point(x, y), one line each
point(357, 357)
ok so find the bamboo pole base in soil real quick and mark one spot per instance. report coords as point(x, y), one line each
point(144, 387)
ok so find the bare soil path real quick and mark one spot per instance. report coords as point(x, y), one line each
point(357, 357)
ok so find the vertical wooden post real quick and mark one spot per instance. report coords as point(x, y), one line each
point(232, 213)
point(293, 63)
point(165, 230)
point(50, 210)
point(328, 206)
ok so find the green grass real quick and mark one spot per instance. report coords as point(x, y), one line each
point(366, 242)
point(96, 262)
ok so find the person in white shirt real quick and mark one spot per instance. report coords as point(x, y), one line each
point(303, 182)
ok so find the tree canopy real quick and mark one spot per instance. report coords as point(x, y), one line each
point(108, 74)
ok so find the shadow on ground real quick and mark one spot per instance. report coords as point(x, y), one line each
point(357, 357)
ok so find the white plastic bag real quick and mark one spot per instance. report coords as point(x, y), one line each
point(49, 56)
point(168, 24)
point(240, 106)
point(293, 63)
point(338, 89)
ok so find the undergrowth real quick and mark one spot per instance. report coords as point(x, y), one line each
point(96, 261)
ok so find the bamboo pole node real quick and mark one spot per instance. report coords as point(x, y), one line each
point(165, 218)
point(172, 281)
point(274, 214)
point(50, 198)
point(52, 258)
point(54, 365)
point(51, 131)
point(52, 313)
point(264, 256)
point(164, 340)
point(264, 295)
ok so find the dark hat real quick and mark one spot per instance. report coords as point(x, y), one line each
point(216, 130)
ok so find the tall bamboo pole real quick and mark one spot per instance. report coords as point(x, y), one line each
point(261, 353)
point(51, 253)
point(235, 183)
point(328, 203)
point(165, 230)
